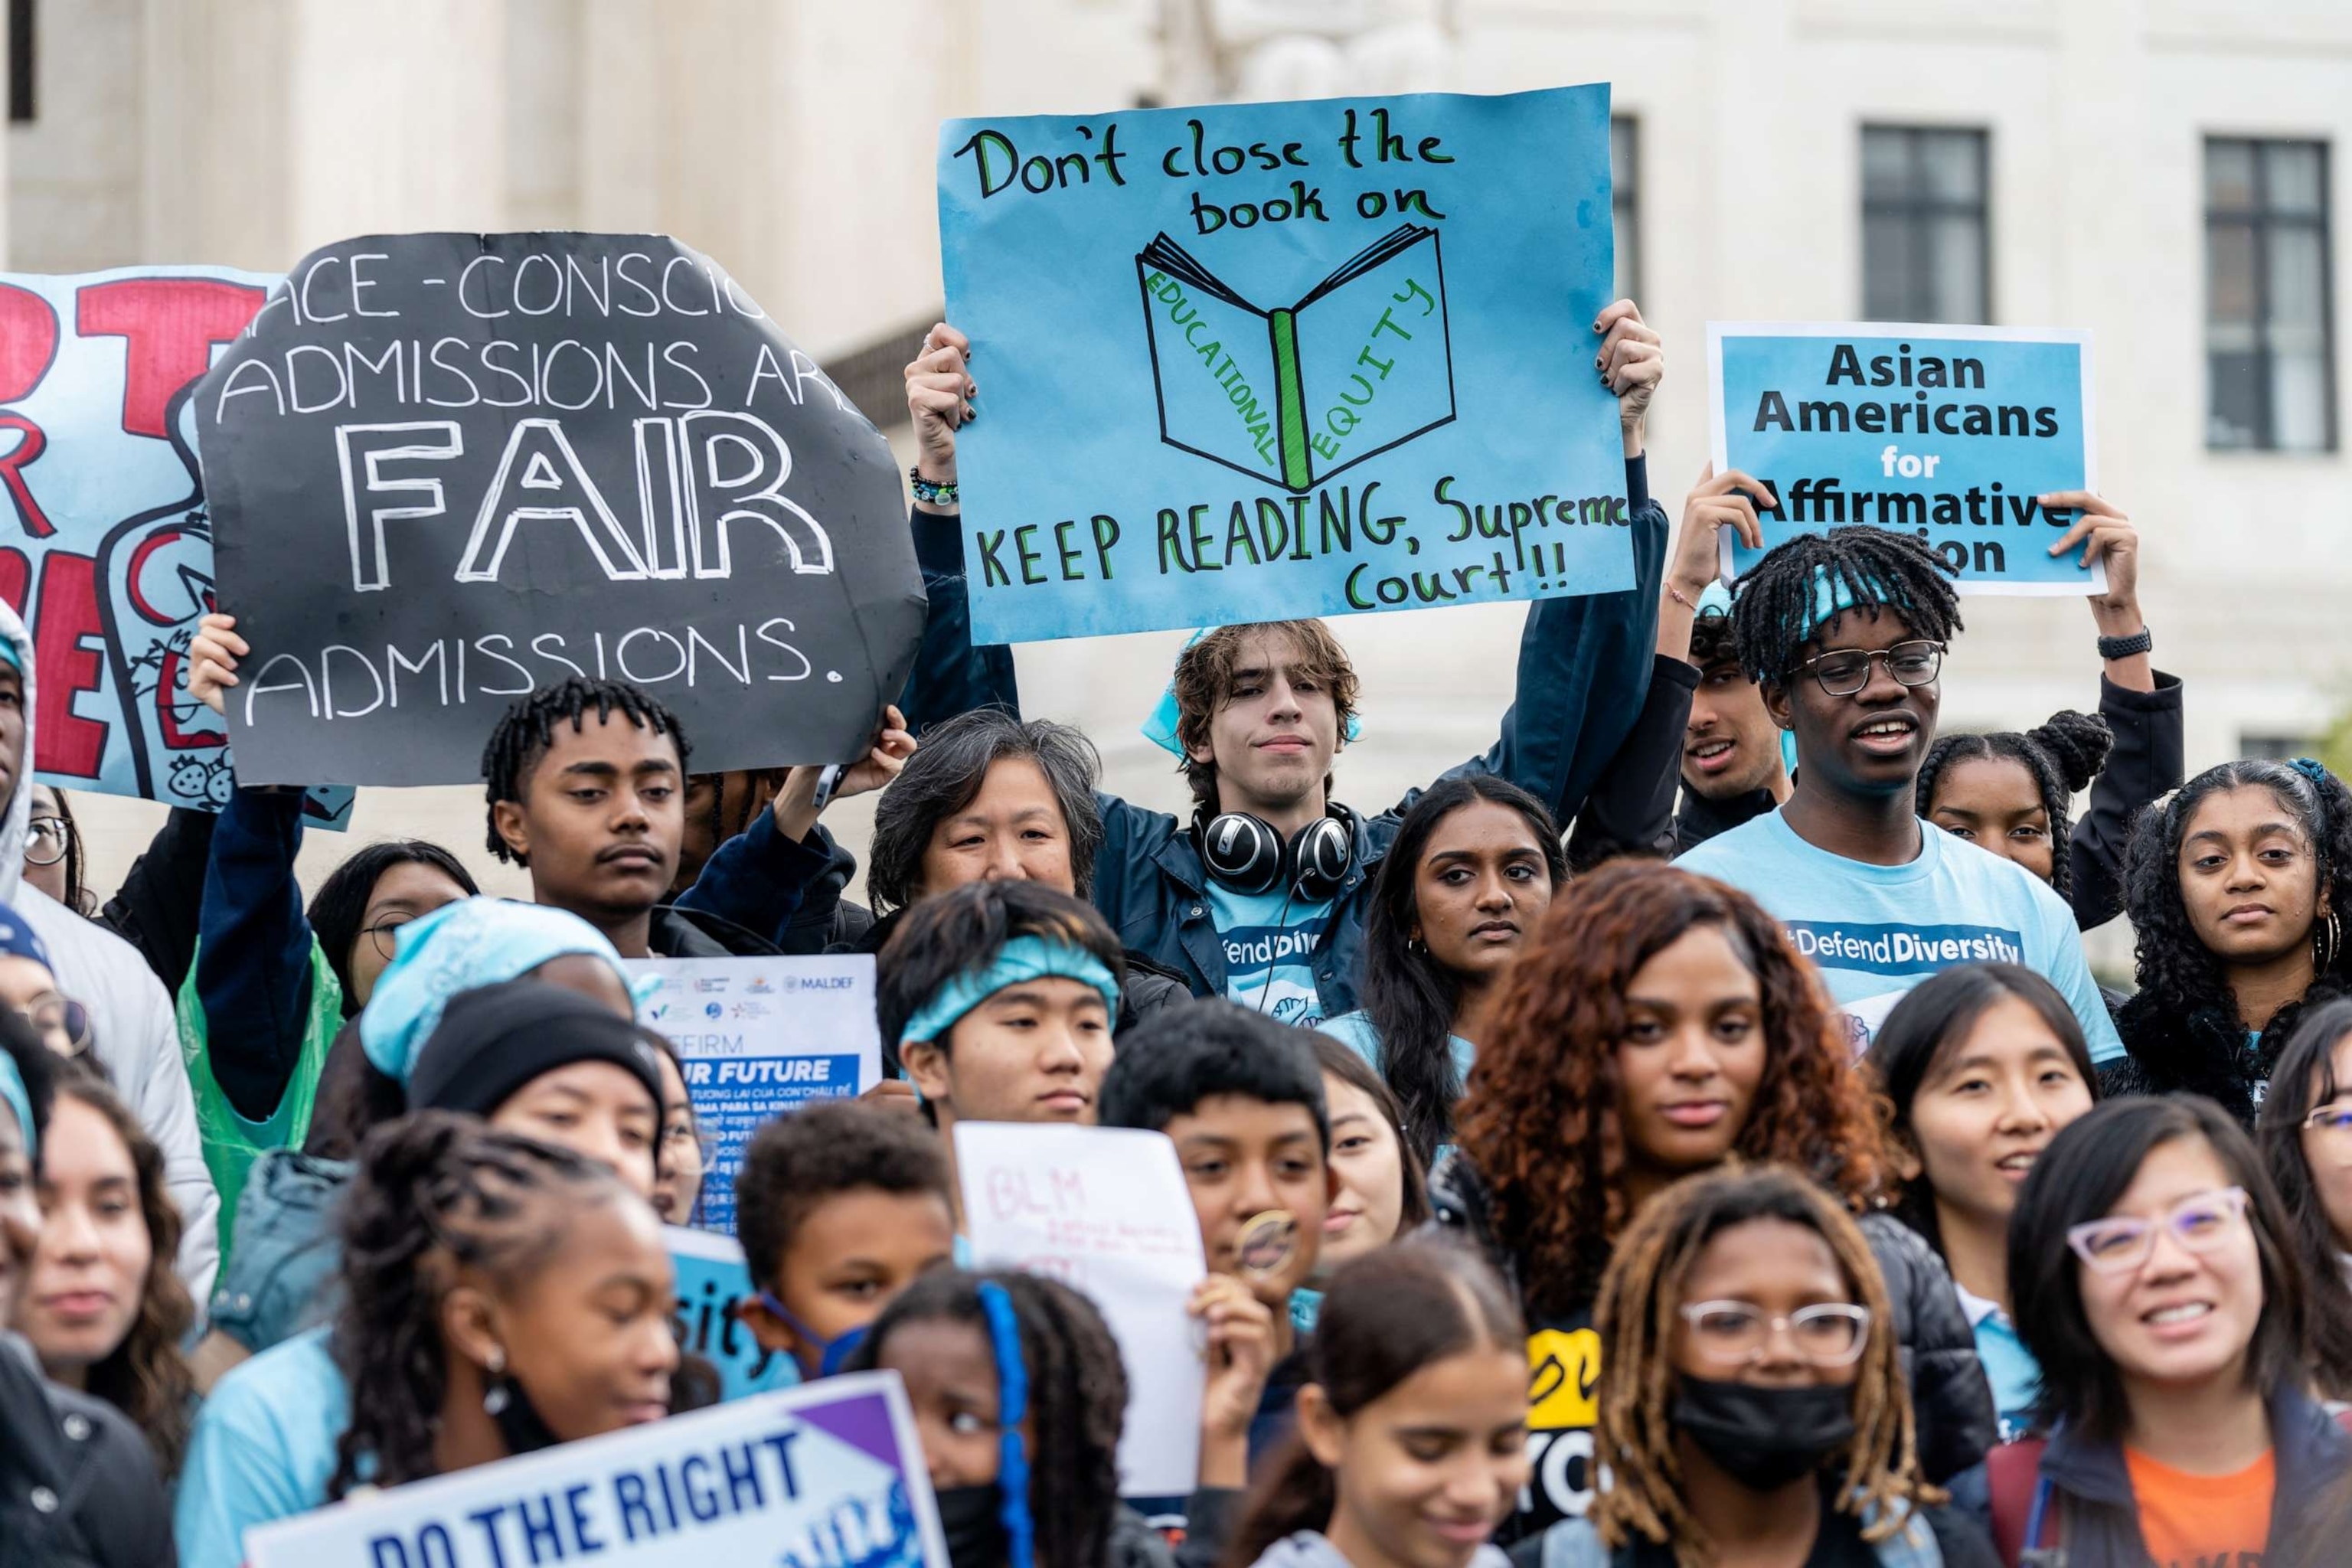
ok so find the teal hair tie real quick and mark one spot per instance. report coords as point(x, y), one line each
point(12, 1090)
point(1022, 958)
point(1012, 1409)
point(2312, 769)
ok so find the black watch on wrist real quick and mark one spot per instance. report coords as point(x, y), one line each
point(2139, 641)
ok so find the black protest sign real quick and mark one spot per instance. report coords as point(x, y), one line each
point(446, 469)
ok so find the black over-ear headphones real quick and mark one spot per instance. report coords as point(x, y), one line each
point(1245, 854)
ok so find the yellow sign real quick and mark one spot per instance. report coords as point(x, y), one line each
point(1563, 1369)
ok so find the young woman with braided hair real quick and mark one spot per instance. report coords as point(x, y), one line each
point(1751, 1392)
point(1019, 1396)
point(2011, 793)
point(2234, 887)
point(501, 1295)
point(1658, 1026)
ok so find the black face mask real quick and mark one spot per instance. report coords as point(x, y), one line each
point(972, 1518)
point(1765, 1437)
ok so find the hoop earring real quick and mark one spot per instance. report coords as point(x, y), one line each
point(2326, 942)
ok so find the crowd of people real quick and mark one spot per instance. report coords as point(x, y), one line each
point(1691, 1130)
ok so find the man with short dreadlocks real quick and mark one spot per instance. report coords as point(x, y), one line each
point(1846, 632)
point(586, 790)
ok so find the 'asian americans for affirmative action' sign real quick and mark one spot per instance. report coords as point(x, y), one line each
point(110, 556)
point(1951, 433)
point(1252, 362)
point(829, 1474)
point(447, 469)
point(759, 1038)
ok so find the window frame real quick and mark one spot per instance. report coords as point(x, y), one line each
point(2258, 221)
point(1625, 202)
point(23, 76)
point(1918, 209)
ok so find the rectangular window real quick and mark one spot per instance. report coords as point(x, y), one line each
point(1625, 202)
point(2277, 748)
point(1926, 239)
point(20, 61)
point(2269, 353)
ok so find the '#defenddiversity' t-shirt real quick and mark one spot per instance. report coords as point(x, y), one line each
point(1269, 940)
point(1875, 931)
point(2200, 1521)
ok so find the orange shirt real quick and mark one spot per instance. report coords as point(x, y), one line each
point(2188, 1520)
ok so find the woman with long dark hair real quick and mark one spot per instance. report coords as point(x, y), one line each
point(1981, 1066)
point(2305, 1133)
point(103, 1308)
point(501, 1295)
point(1410, 1445)
point(2158, 1288)
point(1459, 895)
point(2234, 890)
point(1661, 1024)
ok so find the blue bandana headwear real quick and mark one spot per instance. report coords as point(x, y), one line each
point(1022, 958)
point(1012, 1409)
point(459, 947)
point(1159, 725)
point(12, 1091)
point(18, 938)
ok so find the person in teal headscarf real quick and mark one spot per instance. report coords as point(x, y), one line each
point(269, 1287)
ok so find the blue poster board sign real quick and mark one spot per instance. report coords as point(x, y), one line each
point(1951, 433)
point(1253, 361)
point(713, 1283)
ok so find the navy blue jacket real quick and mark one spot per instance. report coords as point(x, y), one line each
point(1583, 673)
point(2091, 1499)
point(253, 966)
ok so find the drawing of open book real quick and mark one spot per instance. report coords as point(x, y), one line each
point(1292, 396)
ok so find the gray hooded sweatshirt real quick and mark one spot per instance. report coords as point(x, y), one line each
point(137, 1038)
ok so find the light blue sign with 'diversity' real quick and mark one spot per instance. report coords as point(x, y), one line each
point(1949, 433)
point(1251, 362)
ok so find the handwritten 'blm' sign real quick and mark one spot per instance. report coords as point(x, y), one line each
point(1948, 433)
point(1105, 1210)
point(447, 469)
point(827, 1476)
point(1250, 362)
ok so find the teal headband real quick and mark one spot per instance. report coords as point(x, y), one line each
point(8, 654)
point(1832, 594)
point(12, 1090)
point(1022, 958)
point(1159, 725)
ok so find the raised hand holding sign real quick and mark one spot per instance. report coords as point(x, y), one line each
point(447, 469)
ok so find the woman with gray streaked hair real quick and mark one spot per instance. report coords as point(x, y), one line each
point(987, 796)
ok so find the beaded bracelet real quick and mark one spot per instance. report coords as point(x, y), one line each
point(930, 492)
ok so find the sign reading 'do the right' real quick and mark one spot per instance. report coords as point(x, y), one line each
point(1951, 433)
point(447, 469)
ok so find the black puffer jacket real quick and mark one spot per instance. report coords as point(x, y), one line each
point(77, 1483)
point(2202, 1052)
point(1949, 1392)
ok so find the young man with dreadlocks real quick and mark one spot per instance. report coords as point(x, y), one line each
point(1846, 632)
point(585, 784)
point(1261, 895)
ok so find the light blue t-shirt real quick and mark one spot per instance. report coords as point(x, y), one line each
point(1270, 940)
point(1355, 1031)
point(263, 1449)
point(1874, 931)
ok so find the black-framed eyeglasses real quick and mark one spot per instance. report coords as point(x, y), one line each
point(48, 841)
point(1846, 671)
point(386, 935)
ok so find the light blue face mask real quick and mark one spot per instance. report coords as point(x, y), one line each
point(831, 1353)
